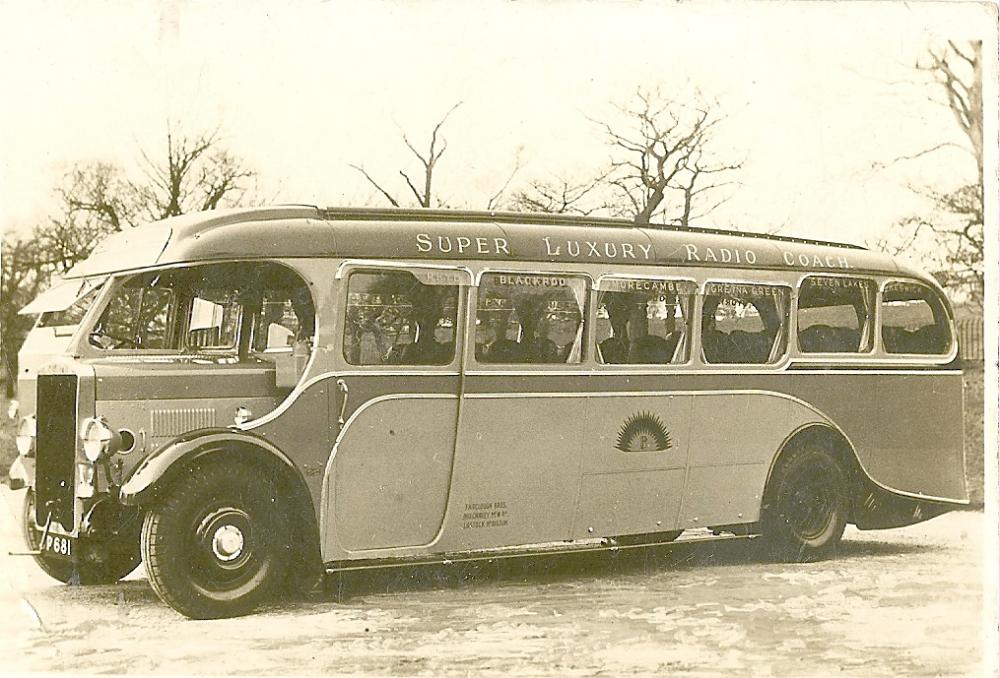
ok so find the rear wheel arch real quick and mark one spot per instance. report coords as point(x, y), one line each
point(809, 493)
point(823, 436)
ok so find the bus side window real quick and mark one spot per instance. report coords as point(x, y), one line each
point(744, 323)
point(914, 320)
point(530, 318)
point(835, 315)
point(395, 319)
point(644, 322)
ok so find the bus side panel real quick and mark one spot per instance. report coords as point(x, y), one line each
point(906, 427)
point(614, 504)
point(734, 439)
point(920, 447)
point(391, 475)
point(517, 471)
point(303, 432)
point(634, 451)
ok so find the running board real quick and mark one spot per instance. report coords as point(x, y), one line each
point(508, 553)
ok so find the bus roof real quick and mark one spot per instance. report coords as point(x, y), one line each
point(307, 231)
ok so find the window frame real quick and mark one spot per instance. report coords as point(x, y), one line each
point(473, 366)
point(342, 277)
point(827, 356)
point(113, 284)
point(786, 355)
point(920, 358)
point(694, 338)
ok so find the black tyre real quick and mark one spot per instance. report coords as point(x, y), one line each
point(214, 545)
point(303, 569)
point(103, 561)
point(806, 505)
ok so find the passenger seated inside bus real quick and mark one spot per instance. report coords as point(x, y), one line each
point(826, 339)
point(652, 349)
point(492, 344)
point(646, 328)
point(614, 350)
point(395, 319)
point(743, 324)
point(554, 337)
point(432, 341)
point(530, 318)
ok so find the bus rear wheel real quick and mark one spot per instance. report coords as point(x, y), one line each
point(214, 546)
point(99, 561)
point(806, 506)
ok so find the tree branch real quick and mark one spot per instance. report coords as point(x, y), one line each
point(374, 183)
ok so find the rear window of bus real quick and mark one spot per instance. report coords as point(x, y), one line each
point(914, 320)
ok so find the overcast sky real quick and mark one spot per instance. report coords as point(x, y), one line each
point(300, 90)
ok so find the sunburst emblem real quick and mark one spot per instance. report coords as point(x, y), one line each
point(643, 432)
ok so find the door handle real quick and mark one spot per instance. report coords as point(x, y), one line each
point(342, 386)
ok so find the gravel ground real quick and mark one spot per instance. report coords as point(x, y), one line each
point(900, 602)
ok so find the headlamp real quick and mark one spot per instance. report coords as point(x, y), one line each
point(99, 439)
point(27, 430)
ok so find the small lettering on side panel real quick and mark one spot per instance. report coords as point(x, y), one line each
point(479, 515)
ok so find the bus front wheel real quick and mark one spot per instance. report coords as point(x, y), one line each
point(806, 505)
point(214, 545)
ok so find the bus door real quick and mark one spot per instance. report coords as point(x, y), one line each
point(517, 463)
point(396, 404)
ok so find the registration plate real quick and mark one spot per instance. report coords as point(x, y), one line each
point(57, 544)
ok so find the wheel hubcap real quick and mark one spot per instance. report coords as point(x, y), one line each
point(810, 506)
point(227, 544)
point(226, 538)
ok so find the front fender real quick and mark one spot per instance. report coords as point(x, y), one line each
point(166, 461)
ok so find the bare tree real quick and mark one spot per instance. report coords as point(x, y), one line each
point(429, 160)
point(659, 162)
point(20, 282)
point(195, 173)
point(953, 225)
point(100, 193)
point(695, 180)
point(958, 69)
point(559, 196)
point(497, 197)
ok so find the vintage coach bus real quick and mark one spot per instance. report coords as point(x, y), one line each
point(258, 394)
